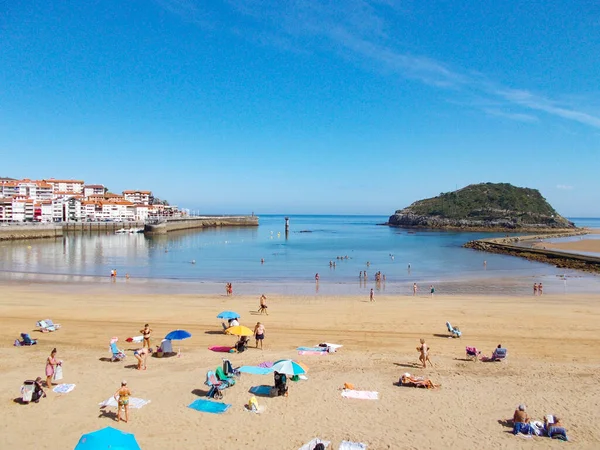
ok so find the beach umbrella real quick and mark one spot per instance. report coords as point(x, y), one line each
point(228, 315)
point(288, 367)
point(107, 438)
point(239, 330)
point(178, 335)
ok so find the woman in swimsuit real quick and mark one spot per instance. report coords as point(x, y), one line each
point(51, 363)
point(141, 355)
point(146, 333)
point(122, 397)
point(259, 334)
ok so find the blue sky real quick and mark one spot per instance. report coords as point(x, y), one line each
point(354, 106)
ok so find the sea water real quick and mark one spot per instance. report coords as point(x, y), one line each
point(254, 257)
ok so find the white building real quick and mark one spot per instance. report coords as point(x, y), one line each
point(65, 186)
point(39, 191)
point(139, 197)
point(43, 211)
point(93, 189)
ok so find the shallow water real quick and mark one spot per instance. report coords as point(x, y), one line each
point(290, 264)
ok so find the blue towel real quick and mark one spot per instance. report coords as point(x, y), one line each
point(261, 390)
point(312, 349)
point(255, 370)
point(209, 406)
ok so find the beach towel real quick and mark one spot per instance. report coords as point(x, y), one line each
point(312, 352)
point(311, 445)
point(362, 395)
point(63, 388)
point(255, 370)
point(347, 445)
point(135, 403)
point(312, 349)
point(266, 364)
point(136, 339)
point(209, 406)
point(331, 348)
point(220, 349)
point(261, 390)
point(58, 373)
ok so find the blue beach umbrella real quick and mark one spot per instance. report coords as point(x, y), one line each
point(288, 367)
point(228, 315)
point(107, 438)
point(178, 335)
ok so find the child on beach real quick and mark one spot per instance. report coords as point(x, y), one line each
point(372, 296)
point(424, 353)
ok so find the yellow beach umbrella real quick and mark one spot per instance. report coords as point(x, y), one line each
point(239, 330)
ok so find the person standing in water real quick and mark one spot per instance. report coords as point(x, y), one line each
point(415, 289)
point(432, 290)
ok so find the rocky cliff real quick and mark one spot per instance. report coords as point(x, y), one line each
point(486, 207)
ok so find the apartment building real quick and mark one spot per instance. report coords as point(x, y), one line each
point(66, 186)
point(139, 197)
point(93, 189)
point(39, 191)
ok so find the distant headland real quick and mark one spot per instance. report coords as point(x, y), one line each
point(484, 207)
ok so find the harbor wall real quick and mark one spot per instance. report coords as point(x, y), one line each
point(29, 231)
point(190, 223)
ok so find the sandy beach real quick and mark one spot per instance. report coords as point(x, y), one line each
point(552, 367)
point(583, 245)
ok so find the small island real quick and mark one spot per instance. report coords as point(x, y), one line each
point(484, 207)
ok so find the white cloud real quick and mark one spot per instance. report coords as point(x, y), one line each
point(358, 29)
point(565, 187)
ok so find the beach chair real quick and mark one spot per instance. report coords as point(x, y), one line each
point(47, 325)
point(216, 387)
point(454, 331)
point(220, 373)
point(27, 339)
point(117, 355)
point(27, 391)
point(499, 354)
point(229, 370)
point(472, 353)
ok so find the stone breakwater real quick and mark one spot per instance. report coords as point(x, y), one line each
point(14, 232)
point(410, 220)
point(517, 246)
point(201, 222)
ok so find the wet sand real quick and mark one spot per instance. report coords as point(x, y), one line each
point(583, 245)
point(552, 367)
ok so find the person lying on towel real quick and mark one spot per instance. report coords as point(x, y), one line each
point(408, 380)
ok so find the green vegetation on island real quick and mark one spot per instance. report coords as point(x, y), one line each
point(485, 206)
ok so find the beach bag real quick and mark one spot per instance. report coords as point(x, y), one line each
point(320, 446)
point(17, 343)
point(58, 373)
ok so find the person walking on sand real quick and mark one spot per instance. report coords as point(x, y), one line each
point(263, 304)
point(540, 289)
point(415, 289)
point(423, 349)
point(259, 334)
point(122, 398)
point(535, 289)
point(141, 355)
point(51, 364)
point(146, 331)
point(372, 295)
point(432, 290)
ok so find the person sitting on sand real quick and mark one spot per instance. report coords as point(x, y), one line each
point(263, 304)
point(281, 383)
point(38, 390)
point(141, 355)
point(421, 382)
point(122, 398)
point(554, 428)
point(521, 421)
point(242, 344)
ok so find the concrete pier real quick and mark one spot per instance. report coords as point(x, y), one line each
point(29, 231)
point(189, 223)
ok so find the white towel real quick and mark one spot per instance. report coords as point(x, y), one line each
point(64, 388)
point(347, 445)
point(137, 339)
point(311, 445)
point(362, 395)
point(135, 403)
